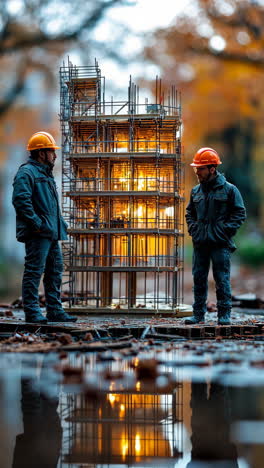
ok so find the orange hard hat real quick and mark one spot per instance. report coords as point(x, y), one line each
point(205, 157)
point(41, 140)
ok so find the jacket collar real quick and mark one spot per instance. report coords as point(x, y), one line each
point(215, 183)
point(220, 180)
point(41, 167)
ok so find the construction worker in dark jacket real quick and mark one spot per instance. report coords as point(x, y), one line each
point(39, 224)
point(214, 214)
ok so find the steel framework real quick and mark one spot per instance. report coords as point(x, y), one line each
point(122, 196)
point(114, 427)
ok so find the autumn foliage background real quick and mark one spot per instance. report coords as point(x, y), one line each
point(213, 53)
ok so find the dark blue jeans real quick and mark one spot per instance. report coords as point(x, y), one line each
point(42, 256)
point(220, 257)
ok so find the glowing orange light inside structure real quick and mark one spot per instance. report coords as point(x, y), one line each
point(139, 211)
point(169, 211)
point(137, 444)
point(141, 182)
point(122, 411)
point(100, 438)
point(111, 398)
point(124, 447)
point(138, 386)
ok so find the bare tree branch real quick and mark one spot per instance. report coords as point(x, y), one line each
point(27, 38)
point(13, 44)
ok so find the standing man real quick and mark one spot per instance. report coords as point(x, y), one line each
point(40, 226)
point(214, 214)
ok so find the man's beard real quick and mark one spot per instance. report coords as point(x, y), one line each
point(208, 178)
point(50, 165)
point(204, 181)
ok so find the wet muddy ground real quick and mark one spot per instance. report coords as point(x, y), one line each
point(124, 391)
point(146, 402)
point(119, 391)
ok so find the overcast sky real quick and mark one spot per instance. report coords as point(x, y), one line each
point(143, 17)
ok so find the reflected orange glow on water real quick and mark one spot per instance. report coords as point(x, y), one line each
point(128, 427)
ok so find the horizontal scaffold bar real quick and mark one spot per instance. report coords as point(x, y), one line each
point(125, 117)
point(123, 269)
point(150, 231)
point(124, 193)
point(123, 155)
point(173, 311)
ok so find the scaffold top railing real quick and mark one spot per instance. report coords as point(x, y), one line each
point(83, 88)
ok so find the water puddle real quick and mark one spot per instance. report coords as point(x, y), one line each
point(171, 405)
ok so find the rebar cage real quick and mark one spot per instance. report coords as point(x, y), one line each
point(122, 196)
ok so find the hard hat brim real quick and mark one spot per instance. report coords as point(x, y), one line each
point(208, 164)
point(42, 148)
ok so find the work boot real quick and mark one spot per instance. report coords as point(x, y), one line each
point(35, 317)
point(60, 316)
point(197, 318)
point(224, 318)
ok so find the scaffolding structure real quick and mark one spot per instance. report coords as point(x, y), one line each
point(122, 196)
point(122, 427)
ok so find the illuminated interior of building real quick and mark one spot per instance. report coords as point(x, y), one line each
point(122, 195)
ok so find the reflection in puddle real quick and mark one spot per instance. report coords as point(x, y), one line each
point(210, 421)
point(122, 429)
point(78, 411)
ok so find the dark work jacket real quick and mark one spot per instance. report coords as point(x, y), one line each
point(36, 202)
point(215, 212)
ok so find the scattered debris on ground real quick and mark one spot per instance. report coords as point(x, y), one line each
point(17, 337)
point(106, 334)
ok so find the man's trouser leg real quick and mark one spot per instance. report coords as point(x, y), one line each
point(37, 250)
point(52, 284)
point(200, 270)
point(221, 273)
point(53, 277)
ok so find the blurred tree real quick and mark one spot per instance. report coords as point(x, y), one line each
point(35, 33)
point(215, 53)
